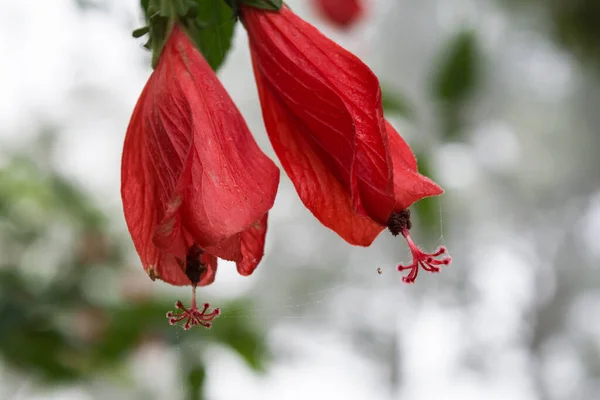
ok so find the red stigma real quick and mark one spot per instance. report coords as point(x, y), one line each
point(193, 315)
point(426, 261)
point(399, 223)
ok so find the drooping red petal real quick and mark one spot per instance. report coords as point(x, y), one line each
point(211, 265)
point(409, 185)
point(317, 79)
point(191, 171)
point(317, 187)
point(140, 203)
point(245, 248)
point(252, 246)
point(402, 154)
point(330, 126)
point(225, 182)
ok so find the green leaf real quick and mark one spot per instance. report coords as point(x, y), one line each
point(138, 33)
point(212, 30)
point(144, 4)
point(458, 73)
point(182, 7)
point(165, 8)
point(270, 5)
point(193, 9)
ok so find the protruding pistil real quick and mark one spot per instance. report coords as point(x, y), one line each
point(194, 269)
point(399, 223)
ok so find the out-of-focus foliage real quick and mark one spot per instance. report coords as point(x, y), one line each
point(455, 79)
point(573, 23)
point(427, 210)
point(395, 104)
point(458, 69)
point(88, 5)
point(53, 243)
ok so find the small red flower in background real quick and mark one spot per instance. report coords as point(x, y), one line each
point(322, 110)
point(342, 13)
point(195, 185)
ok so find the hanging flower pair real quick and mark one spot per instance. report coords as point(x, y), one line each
point(196, 187)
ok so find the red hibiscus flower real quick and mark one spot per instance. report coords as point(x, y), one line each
point(322, 110)
point(195, 185)
point(342, 13)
